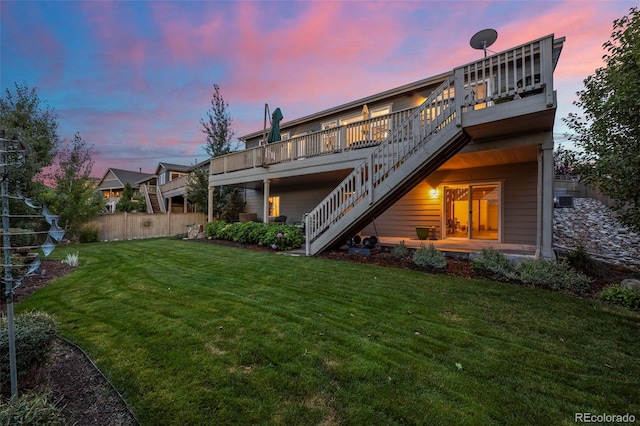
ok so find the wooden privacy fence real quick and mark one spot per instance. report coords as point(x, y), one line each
point(131, 226)
point(579, 190)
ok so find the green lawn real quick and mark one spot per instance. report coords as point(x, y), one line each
point(196, 333)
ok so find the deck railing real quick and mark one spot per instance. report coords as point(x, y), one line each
point(362, 134)
point(179, 182)
point(515, 73)
point(434, 114)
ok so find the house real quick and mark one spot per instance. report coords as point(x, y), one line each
point(467, 154)
point(164, 191)
point(168, 189)
point(113, 182)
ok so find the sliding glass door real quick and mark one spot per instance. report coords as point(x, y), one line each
point(472, 211)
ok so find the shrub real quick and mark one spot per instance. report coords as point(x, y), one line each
point(429, 257)
point(580, 260)
point(30, 409)
point(21, 237)
point(277, 236)
point(250, 232)
point(89, 234)
point(493, 263)
point(257, 232)
point(282, 237)
point(34, 332)
point(618, 295)
point(218, 230)
point(211, 229)
point(553, 275)
point(400, 250)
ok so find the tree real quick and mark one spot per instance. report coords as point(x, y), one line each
point(74, 196)
point(609, 132)
point(198, 189)
point(565, 162)
point(24, 116)
point(217, 126)
point(219, 133)
point(233, 206)
point(129, 201)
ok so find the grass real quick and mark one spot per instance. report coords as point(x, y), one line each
point(202, 334)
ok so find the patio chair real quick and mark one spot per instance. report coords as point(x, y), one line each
point(280, 219)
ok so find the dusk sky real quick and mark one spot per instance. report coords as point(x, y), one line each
point(134, 78)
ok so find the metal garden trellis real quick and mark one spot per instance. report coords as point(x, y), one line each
point(12, 153)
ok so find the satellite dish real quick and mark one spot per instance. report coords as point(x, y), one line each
point(483, 39)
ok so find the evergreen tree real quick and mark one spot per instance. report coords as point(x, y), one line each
point(218, 131)
point(217, 126)
point(130, 201)
point(198, 189)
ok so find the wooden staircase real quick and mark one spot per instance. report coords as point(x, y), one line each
point(153, 198)
point(424, 141)
point(155, 205)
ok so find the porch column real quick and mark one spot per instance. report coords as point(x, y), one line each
point(210, 204)
point(184, 204)
point(265, 206)
point(544, 247)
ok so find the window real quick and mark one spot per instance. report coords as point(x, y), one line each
point(329, 136)
point(477, 91)
point(377, 112)
point(274, 206)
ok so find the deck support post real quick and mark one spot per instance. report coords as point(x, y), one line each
point(544, 240)
point(265, 205)
point(210, 204)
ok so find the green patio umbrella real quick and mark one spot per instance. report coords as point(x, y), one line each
point(274, 133)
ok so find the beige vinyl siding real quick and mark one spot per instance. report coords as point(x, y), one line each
point(253, 202)
point(418, 208)
point(294, 202)
point(520, 196)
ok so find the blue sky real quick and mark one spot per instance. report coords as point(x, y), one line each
point(134, 78)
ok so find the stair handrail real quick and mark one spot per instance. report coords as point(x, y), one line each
point(147, 197)
point(433, 115)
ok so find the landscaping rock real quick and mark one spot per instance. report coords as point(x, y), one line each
point(595, 226)
point(630, 283)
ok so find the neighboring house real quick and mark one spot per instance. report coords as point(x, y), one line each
point(167, 190)
point(468, 154)
point(114, 181)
